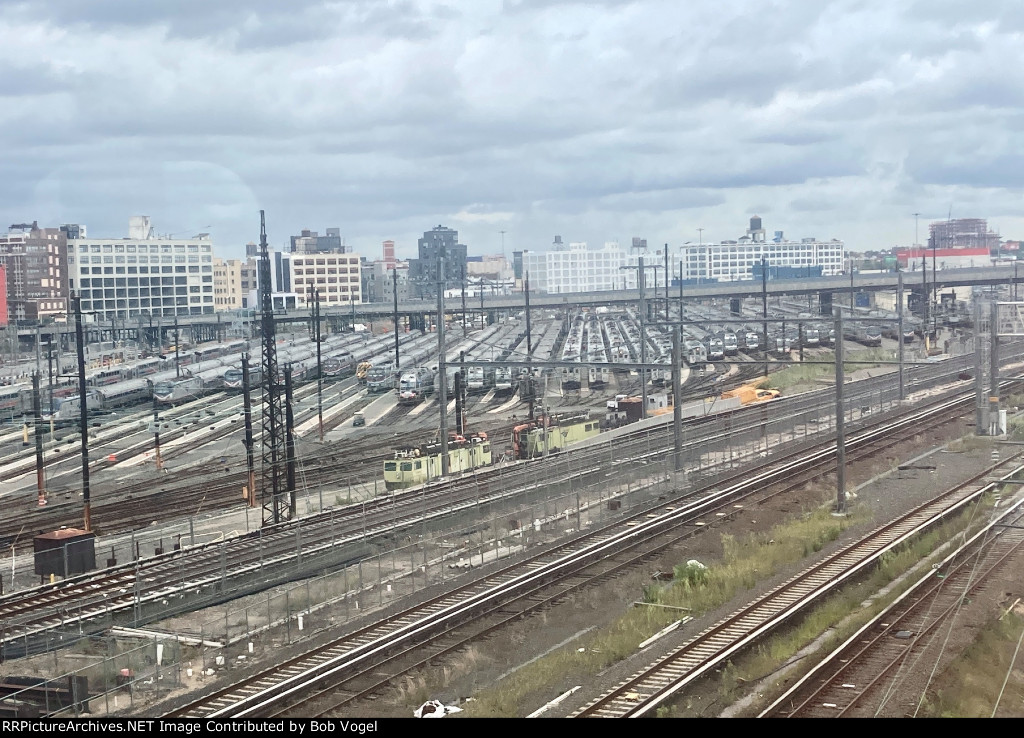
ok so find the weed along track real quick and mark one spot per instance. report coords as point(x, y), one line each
point(334, 676)
point(671, 673)
point(878, 670)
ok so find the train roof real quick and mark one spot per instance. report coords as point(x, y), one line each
point(434, 447)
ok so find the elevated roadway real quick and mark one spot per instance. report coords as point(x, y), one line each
point(839, 285)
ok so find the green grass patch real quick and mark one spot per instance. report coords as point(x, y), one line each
point(843, 612)
point(969, 442)
point(977, 676)
point(799, 375)
point(745, 562)
point(1015, 429)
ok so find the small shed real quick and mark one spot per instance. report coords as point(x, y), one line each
point(65, 552)
point(633, 407)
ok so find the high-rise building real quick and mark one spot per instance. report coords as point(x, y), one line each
point(311, 242)
point(389, 253)
point(379, 281)
point(423, 271)
point(962, 233)
point(36, 261)
point(142, 275)
point(227, 284)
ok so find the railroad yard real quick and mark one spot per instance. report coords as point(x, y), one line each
point(582, 570)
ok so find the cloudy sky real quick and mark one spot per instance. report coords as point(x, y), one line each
point(596, 120)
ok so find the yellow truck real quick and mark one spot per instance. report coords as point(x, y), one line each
point(748, 394)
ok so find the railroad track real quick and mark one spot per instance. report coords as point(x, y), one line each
point(364, 654)
point(663, 679)
point(84, 599)
point(321, 532)
point(865, 676)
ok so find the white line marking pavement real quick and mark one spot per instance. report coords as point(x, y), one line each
point(507, 406)
point(313, 423)
point(423, 406)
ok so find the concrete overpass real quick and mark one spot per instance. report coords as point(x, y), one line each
point(214, 327)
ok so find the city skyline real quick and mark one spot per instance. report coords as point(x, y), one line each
point(513, 121)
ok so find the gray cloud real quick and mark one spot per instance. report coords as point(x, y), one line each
point(595, 120)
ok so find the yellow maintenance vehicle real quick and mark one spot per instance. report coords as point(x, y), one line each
point(748, 394)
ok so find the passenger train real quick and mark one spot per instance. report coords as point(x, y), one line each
point(415, 385)
point(232, 378)
point(863, 333)
point(503, 379)
point(716, 349)
point(730, 344)
point(695, 353)
point(598, 376)
point(477, 378)
point(380, 377)
point(571, 377)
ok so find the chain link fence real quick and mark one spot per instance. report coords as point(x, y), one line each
point(282, 595)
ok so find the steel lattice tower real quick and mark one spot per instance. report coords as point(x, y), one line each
point(276, 506)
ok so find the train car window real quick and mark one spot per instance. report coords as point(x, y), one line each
point(406, 466)
point(419, 464)
point(390, 466)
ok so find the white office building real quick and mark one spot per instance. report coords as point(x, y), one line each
point(142, 275)
point(730, 261)
point(577, 268)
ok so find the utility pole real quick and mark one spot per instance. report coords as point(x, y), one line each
point(156, 436)
point(641, 281)
point(680, 286)
point(483, 316)
point(899, 330)
point(935, 299)
point(529, 346)
point(924, 282)
point(993, 372)
point(464, 331)
point(667, 282)
point(177, 345)
point(83, 415)
point(461, 392)
point(851, 287)
point(764, 311)
point(460, 421)
point(250, 489)
point(37, 413)
point(49, 362)
point(442, 369)
point(979, 384)
point(394, 288)
point(289, 442)
point(319, 365)
point(643, 336)
point(677, 393)
point(276, 507)
point(840, 418)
